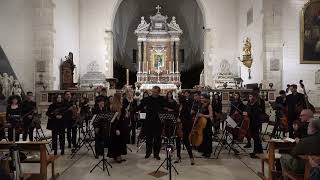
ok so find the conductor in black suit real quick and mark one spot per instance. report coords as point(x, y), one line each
point(154, 105)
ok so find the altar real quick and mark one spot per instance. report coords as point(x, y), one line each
point(158, 52)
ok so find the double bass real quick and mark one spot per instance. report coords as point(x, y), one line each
point(308, 105)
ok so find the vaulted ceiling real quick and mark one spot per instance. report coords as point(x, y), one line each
point(189, 17)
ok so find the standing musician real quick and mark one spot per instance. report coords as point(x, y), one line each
point(13, 116)
point(281, 113)
point(154, 105)
point(236, 108)
point(100, 133)
point(186, 106)
point(129, 104)
point(119, 130)
point(206, 111)
point(56, 123)
point(29, 107)
point(254, 111)
point(70, 121)
point(217, 110)
point(104, 95)
point(293, 102)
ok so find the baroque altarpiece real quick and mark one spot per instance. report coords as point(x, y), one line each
point(158, 52)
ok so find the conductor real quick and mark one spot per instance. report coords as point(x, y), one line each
point(154, 105)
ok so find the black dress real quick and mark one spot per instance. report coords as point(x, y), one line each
point(118, 143)
point(206, 146)
point(130, 120)
point(13, 117)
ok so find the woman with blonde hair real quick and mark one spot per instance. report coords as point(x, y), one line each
point(118, 134)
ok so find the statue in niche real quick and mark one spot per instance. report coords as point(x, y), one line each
point(66, 70)
point(16, 90)
point(173, 22)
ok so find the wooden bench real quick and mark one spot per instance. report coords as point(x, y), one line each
point(265, 159)
point(44, 159)
point(294, 176)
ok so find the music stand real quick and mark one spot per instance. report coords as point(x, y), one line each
point(104, 121)
point(169, 137)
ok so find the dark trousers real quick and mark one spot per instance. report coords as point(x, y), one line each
point(132, 132)
point(186, 143)
point(10, 135)
point(290, 128)
point(255, 133)
point(153, 142)
point(99, 141)
point(58, 133)
point(206, 146)
point(28, 131)
point(72, 136)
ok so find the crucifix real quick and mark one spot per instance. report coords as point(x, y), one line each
point(158, 8)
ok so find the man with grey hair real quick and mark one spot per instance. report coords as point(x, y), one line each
point(301, 127)
point(305, 146)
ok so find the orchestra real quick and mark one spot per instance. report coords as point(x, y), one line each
point(198, 120)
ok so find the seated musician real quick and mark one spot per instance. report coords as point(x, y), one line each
point(306, 146)
point(99, 108)
point(315, 171)
point(300, 127)
point(56, 123)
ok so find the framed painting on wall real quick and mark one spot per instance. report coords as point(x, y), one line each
point(310, 33)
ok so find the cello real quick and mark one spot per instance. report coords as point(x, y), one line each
point(243, 122)
point(196, 135)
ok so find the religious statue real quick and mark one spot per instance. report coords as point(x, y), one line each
point(67, 68)
point(247, 48)
point(16, 90)
point(6, 82)
point(142, 23)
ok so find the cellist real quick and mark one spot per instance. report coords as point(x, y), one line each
point(253, 111)
point(206, 111)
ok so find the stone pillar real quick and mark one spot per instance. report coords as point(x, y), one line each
point(172, 56)
point(145, 56)
point(177, 56)
point(43, 44)
point(109, 54)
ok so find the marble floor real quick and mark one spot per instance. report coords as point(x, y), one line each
point(227, 167)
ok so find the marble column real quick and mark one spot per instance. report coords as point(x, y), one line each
point(145, 56)
point(172, 57)
point(139, 57)
point(177, 56)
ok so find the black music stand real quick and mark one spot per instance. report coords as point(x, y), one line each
point(169, 138)
point(104, 122)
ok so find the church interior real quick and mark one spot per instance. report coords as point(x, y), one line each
point(159, 89)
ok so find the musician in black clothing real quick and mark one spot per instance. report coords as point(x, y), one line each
point(217, 110)
point(100, 133)
point(103, 95)
point(13, 116)
point(187, 104)
point(29, 108)
point(129, 104)
point(254, 112)
point(56, 123)
point(236, 105)
point(295, 103)
point(154, 105)
point(70, 122)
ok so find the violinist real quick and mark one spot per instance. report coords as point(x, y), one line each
point(253, 111)
point(185, 108)
point(29, 107)
point(100, 133)
point(129, 103)
point(295, 103)
point(206, 111)
point(70, 121)
point(56, 123)
point(13, 116)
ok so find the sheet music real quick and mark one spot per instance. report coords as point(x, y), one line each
point(143, 115)
point(231, 122)
point(289, 140)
